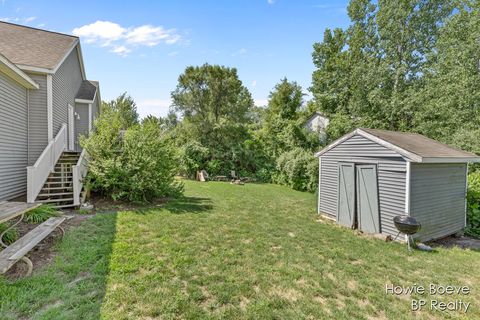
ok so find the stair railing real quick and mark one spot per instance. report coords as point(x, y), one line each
point(45, 164)
point(79, 172)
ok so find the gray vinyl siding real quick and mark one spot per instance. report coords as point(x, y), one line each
point(391, 171)
point(438, 198)
point(13, 142)
point(37, 119)
point(65, 84)
point(81, 125)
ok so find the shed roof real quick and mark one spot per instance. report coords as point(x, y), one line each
point(87, 90)
point(31, 47)
point(413, 146)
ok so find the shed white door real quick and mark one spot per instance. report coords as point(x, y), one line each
point(346, 194)
point(367, 198)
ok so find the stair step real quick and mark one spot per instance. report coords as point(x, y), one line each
point(60, 182)
point(69, 177)
point(54, 200)
point(56, 188)
point(55, 194)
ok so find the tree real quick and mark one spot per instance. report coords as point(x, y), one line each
point(215, 107)
point(126, 108)
point(371, 70)
point(210, 93)
point(450, 99)
point(282, 131)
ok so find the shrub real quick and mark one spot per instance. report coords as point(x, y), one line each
point(297, 169)
point(193, 157)
point(40, 214)
point(137, 164)
point(10, 236)
point(473, 205)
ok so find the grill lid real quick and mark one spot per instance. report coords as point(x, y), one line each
point(407, 225)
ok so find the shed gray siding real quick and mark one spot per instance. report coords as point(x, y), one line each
point(13, 142)
point(391, 170)
point(65, 84)
point(438, 198)
point(81, 125)
point(37, 119)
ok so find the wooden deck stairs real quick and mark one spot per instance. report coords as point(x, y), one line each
point(58, 189)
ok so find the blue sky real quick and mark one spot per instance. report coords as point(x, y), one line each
point(143, 46)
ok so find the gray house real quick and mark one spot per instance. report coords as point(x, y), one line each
point(370, 176)
point(317, 123)
point(46, 103)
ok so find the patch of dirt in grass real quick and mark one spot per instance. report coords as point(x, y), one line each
point(290, 294)
point(331, 276)
point(291, 235)
point(340, 301)
point(352, 285)
point(208, 298)
point(243, 303)
point(357, 262)
point(380, 315)
point(44, 252)
point(320, 300)
point(363, 303)
point(463, 242)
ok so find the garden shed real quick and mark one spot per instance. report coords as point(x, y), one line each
point(369, 176)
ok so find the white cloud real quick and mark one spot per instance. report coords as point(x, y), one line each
point(100, 32)
point(150, 36)
point(121, 50)
point(173, 53)
point(240, 52)
point(123, 39)
point(260, 102)
point(156, 107)
point(254, 83)
point(270, 1)
point(18, 19)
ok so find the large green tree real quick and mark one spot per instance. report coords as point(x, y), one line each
point(126, 108)
point(450, 99)
point(215, 107)
point(369, 71)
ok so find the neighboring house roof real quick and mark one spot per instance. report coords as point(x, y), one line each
point(413, 146)
point(29, 47)
point(87, 91)
point(11, 70)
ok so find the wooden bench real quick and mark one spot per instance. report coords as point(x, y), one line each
point(17, 250)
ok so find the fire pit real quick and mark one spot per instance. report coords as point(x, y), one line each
point(408, 226)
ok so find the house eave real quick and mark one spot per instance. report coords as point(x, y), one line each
point(15, 73)
point(450, 160)
point(84, 101)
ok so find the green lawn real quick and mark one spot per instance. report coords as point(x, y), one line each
point(228, 251)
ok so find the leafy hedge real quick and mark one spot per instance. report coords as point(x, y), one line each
point(134, 164)
point(473, 205)
point(297, 169)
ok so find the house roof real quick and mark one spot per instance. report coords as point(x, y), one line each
point(415, 147)
point(87, 91)
point(13, 72)
point(315, 114)
point(30, 47)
